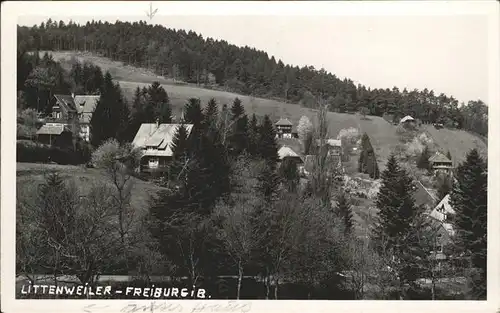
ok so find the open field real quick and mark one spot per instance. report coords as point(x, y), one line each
point(382, 134)
point(30, 175)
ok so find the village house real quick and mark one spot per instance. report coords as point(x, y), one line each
point(284, 128)
point(155, 141)
point(75, 112)
point(85, 106)
point(334, 146)
point(441, 225)
point(408, 121)
point(54, 134)
point(440, 163)
point(286, 152)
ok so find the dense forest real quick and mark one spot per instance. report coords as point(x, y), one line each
point(188, 57)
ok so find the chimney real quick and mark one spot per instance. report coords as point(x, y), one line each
point(73, 95)
point(157, 122)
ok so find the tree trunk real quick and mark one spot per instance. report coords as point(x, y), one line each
point(267, 280)
point(276, 280)
point(240, 277)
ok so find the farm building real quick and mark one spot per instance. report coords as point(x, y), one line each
point(286, 152)
point(284, 128)
point(333, 160)
point(441, 163)
point(334, 146)
point(441, 225)
point(54, 134)
point(155, 141)
point(408, 121)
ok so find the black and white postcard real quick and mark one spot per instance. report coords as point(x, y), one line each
point(214, 156)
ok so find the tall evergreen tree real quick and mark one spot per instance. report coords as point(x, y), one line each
point(237, 109)
point(211, 114)
point(344, 210)
point(193, 113)
point(367, 162)
point(180, 152)
point(268, 148)
point(469, 198)
point(289, 174)
point(423, 160)
point(268, 182)
point(396, 231)
point(111, 115)
point(253, 136)
point(159, 102)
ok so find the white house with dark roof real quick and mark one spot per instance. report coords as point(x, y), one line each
point(155, 141)
point(284, 128)
point(85, 106)
point(441, 163)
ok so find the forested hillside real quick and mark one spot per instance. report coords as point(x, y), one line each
point(187, 56)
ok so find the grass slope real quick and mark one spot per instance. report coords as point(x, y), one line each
point(30, 175)
point(382, 134)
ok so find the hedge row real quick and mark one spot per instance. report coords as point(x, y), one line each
point(29, 151)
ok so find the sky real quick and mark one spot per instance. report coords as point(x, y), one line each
point(447, 53)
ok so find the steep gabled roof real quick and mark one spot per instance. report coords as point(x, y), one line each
point(67, 101)
point(406, 119)
point(422, 196)
point(439, 157)
point(85, 105)
point(158, 137)
point(286, 151)
point(284, 122)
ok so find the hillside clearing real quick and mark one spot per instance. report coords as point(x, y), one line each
point(382, 134)
point(30, 175)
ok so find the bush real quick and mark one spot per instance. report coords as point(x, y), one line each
point(29, 151)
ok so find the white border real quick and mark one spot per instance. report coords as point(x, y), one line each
point(12, 10)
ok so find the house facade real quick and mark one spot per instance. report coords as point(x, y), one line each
point(85, 106)
point(284, 128)
point(75, 112)
point(441, 225)
point(286, 152)
point(155, 141)
point(334, 146)
point(56, 134)
point(441, 164)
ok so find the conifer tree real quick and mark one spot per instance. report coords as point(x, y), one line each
point(111, 115)
point(268, 148)
point(268, 182)
point(159, 103)
point(423, 160)
point(469, 198)
point(448, 155)
point(237, 109)
point(211, 114)
point(396, 231)
point(193, 113)
point(180, 151)
point(344, 211)
point(289, 174)
point(253, 136)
